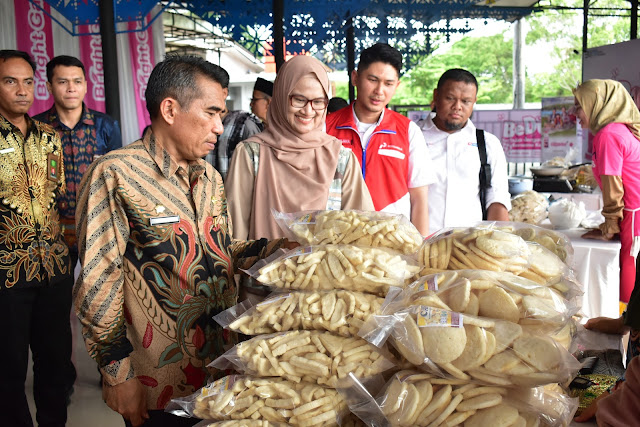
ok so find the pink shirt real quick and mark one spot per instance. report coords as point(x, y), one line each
point(617, 153)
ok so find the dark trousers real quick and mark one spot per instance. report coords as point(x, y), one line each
point(36, 318)
point(158, 418)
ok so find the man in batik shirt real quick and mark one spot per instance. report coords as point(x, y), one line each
point(85, 134)
point(35, 287)
point(155, 247)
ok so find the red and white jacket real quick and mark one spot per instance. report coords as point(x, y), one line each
point(384, 158)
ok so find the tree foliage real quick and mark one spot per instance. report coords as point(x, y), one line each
point(488, 58)
point(555, 36)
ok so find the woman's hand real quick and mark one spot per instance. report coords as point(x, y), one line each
point(606, 325)
point(597, 235)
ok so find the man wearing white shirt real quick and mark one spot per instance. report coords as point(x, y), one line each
point(454, 198)
point(393, 155)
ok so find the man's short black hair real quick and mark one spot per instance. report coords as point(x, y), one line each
point(457, 75)
point(380, 52)
point(65, 61)
point(175, 77)
point(336, 103)
point(9, 53)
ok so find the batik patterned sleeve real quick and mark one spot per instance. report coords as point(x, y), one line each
point(62, 189)
point(103, 232)
point(248, 252)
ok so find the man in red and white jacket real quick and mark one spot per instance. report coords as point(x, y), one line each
point(391, 148)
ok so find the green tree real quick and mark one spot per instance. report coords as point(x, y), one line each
point(557, 33)
point(488, 58)
point(560, 32)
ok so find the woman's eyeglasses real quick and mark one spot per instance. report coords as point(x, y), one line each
point(317, 104)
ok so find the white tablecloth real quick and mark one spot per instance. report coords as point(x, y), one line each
point(597, 268)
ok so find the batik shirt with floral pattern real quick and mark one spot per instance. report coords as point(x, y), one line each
point(32, 252)
point(157, 264)
point(93, 136)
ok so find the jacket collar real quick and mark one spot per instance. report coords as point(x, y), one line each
point(349, 119)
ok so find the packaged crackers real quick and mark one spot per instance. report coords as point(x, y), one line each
point(311, 356)
point(464, 347)
point(496, 295)
point(337, 311)
point(555, 241)
point(413, 398)
point(354, 268)
point(487, 248)
point(358, 228)
point(248, 400)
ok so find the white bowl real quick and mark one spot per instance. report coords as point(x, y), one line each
point(519, 185)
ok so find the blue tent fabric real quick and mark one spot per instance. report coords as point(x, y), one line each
point(317, 27)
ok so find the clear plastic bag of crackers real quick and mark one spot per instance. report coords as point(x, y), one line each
point(274, 401)
point(471, 348)
point(555, 241)
point(491, 294)
point(338, 311)
point(530, 207)
point(351, 227)
point(325, 267)
point(488, 248)
point(413, 398)
point(311, 356)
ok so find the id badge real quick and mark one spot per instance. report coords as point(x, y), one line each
point(53, 167)
point(162, 220)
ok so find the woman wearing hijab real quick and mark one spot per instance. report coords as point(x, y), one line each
point(607, 110)
point(293, 165)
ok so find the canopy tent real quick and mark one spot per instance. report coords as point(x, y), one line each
point(318, 27)
point(80, 13)
point(312, 26)
point(330, 29)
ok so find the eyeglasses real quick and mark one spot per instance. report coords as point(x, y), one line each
point(256, 99)
point(317, 104)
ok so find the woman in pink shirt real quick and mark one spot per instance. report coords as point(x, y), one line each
point(608, 111)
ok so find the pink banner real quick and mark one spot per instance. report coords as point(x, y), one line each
point(142, 60)
point(35, 36)
point(518, 130)
point(91, 57)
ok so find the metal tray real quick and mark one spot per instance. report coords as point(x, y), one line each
point(548, 171)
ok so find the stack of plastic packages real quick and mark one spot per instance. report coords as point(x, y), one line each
point(305, 333)
point(481, 334)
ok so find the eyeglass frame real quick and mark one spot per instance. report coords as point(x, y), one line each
point(253, 100)
point(325, 102)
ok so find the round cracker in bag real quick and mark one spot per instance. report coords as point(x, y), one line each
point(443, 344)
